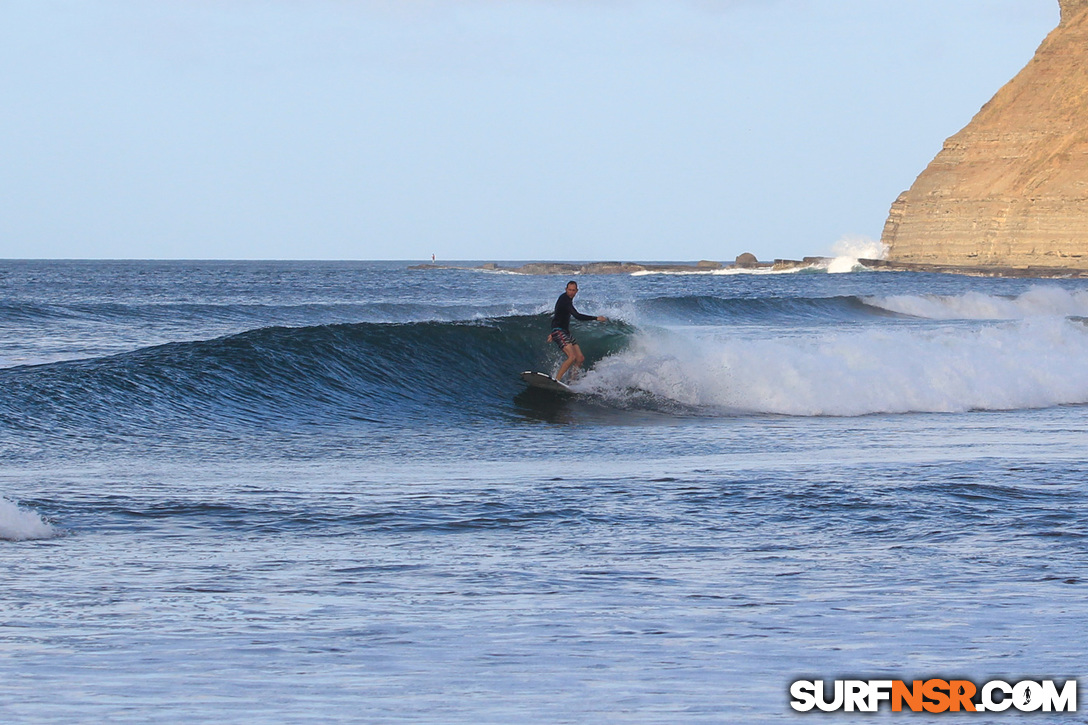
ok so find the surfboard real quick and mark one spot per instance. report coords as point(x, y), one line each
point(545, 382)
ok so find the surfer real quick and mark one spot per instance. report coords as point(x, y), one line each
point(560, 335)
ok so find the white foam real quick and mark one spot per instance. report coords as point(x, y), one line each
point(1032, 363)
point(848, 250)
point(18, 524)
point(723, 272)
point(1041, 300)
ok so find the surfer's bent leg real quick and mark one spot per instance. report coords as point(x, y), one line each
point(579, 360)
point(572, 359)
point(569, 346)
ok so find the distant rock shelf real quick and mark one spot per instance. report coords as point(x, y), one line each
point(566, 269)
point(988, 270)
point(563, 268)
point(744, 262)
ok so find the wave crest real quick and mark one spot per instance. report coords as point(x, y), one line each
point(1039, 301)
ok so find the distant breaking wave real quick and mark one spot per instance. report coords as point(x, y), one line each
point(1036, 302)
point(19, 524)
point(1040, 301)
point(697, 309)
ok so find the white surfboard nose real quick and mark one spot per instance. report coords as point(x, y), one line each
point(544, 382)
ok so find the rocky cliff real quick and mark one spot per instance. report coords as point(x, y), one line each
point(1071, 8)
point(1010, 189)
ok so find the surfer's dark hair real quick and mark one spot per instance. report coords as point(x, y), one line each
point(572, 282)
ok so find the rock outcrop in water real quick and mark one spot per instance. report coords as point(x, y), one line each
point(1010, 189)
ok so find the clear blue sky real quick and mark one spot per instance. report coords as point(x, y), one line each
point(481, 129)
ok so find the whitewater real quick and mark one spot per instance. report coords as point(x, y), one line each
point(281, 492)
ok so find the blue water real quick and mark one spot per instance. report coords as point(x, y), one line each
point(283, 492)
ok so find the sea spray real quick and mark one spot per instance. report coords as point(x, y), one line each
point(848, 250)
point(19, 524)
point(1033, 363)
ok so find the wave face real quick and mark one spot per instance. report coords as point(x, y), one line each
point(373, 372)
point(78, 330)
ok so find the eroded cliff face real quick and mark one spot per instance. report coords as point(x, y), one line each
point(1071, 8)
point(1010, 189)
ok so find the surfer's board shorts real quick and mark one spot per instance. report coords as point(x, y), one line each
point(562, 338)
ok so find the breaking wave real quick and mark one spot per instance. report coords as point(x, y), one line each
point(1032, 363)
point(843, 355)
point(1038, 301)
point(850, 249)
point(19, 524)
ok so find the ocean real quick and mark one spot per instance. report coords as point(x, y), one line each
point(291, 492)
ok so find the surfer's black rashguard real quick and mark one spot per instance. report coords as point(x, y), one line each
point(564, 310)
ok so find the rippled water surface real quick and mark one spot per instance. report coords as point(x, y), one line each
point(291, 492)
